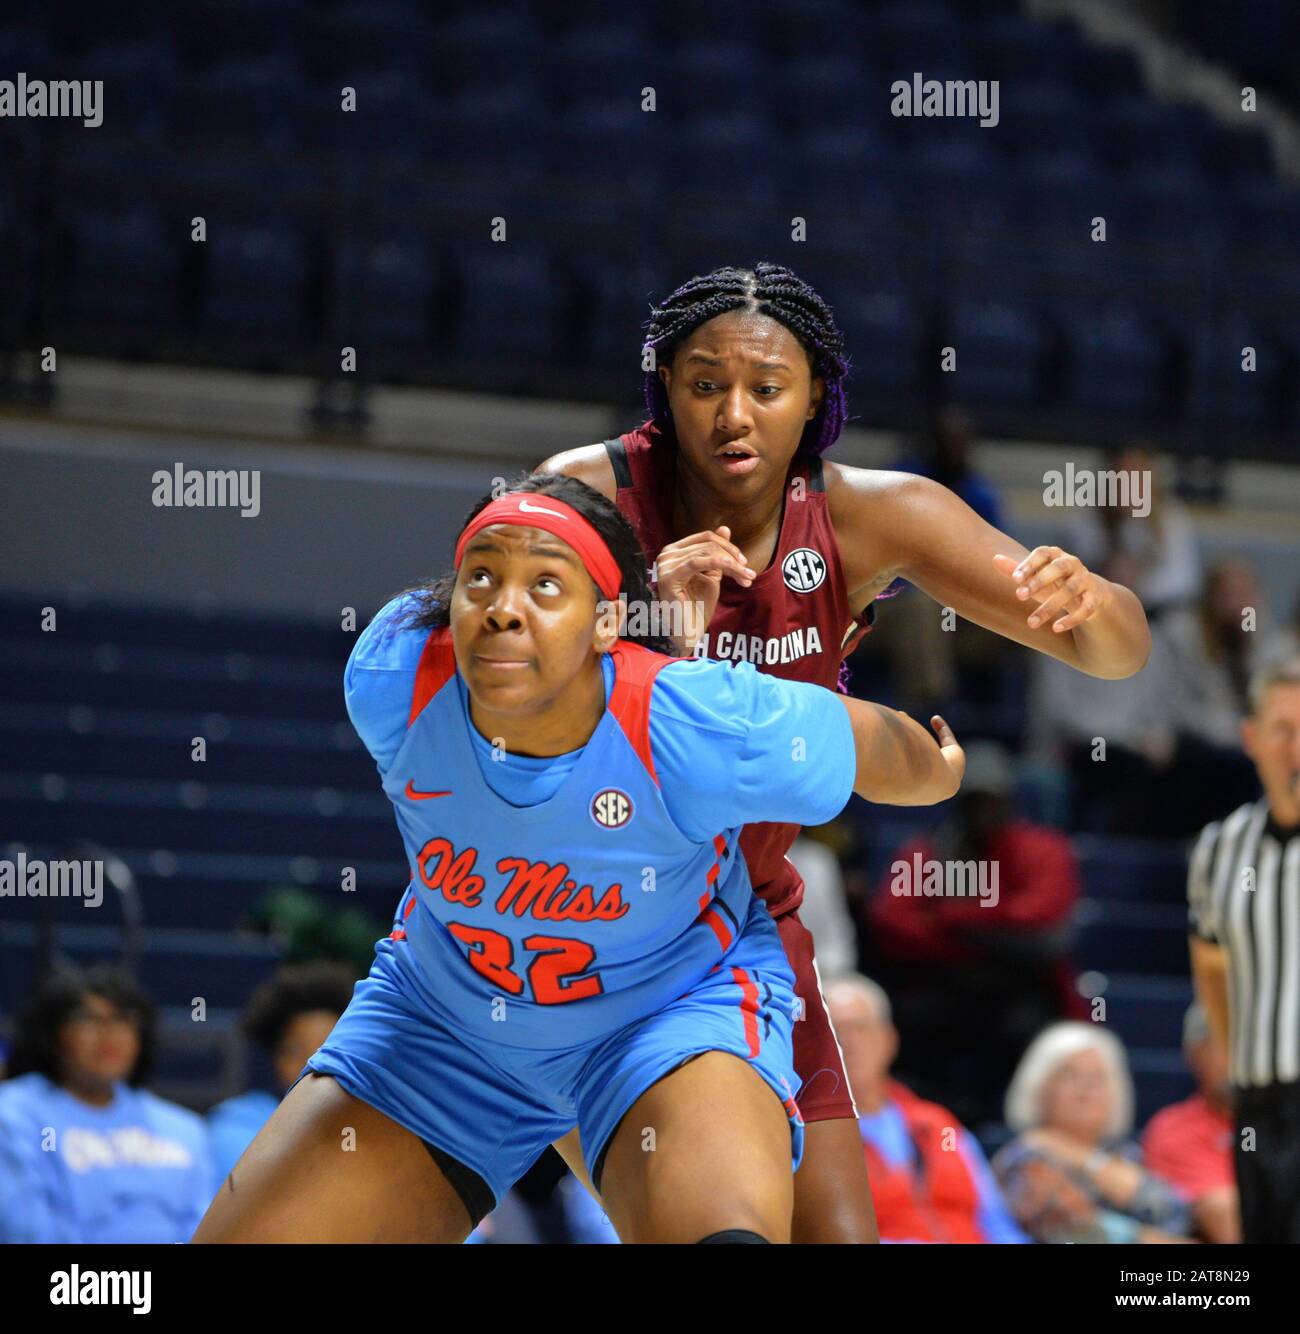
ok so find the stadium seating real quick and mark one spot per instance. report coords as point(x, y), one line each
point(233, 110)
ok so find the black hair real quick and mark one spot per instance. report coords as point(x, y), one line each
point(60, 994)
point(768, 289)
point(431, 601)
point(299, 988)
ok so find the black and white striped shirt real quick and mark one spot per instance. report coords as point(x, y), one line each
point(1243, 892)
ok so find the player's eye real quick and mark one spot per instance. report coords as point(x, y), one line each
point(555, 585)
point(769, 390)
point(705, 386)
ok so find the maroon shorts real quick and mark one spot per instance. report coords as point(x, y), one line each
point(824, 1090)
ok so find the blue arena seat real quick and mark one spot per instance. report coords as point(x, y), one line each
point(1000, 349)
point(501, 286)
point(124, 268)
point(1132, 938)
point(384, 295)
point(254, 282)
point(1147, 1011)
point(1115, 362)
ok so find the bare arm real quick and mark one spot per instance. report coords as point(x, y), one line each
point(1210, 974)
point(588, 463)
point(897, 524)
point(898, 762)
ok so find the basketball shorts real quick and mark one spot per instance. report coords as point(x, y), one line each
point(486, 1110)
point(824, 1093)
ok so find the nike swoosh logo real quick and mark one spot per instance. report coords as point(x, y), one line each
point(540, 509)
point(422, 796)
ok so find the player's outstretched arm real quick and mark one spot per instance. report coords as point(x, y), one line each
point(1047, 599)
point(898, 762)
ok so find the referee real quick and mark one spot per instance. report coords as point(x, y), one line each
point(1243, 893)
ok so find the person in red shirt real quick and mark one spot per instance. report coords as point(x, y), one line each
point(1189, 1143)
point(1002, 953)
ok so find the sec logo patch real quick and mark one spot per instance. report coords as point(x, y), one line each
point(611, 809)
point(803, 569)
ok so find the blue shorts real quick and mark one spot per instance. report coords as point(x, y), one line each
point(492, 1109)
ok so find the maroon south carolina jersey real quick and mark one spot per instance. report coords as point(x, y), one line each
point(792, 621)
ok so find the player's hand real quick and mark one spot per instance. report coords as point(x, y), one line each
point(953, 755)
point(1059, 583)
point(689, 573)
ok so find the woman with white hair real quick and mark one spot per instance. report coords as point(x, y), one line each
point(1073, 1174)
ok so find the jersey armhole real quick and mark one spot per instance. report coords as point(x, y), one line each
point(436, 667)
point(618, 460)
point(635, 669)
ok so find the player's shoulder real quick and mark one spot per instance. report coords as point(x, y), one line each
point(392, 641)
point(875, 511)
point(849, 488)
point(727, 697)
point(588, 463)
point(704, 693)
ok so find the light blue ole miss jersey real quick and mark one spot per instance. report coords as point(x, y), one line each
point(555, 900)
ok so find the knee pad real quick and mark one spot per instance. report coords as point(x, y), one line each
point(733, 1236)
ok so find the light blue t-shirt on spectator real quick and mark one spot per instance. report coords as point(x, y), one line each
point(137, 1170)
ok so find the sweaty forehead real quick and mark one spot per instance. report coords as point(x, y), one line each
point(747, 334)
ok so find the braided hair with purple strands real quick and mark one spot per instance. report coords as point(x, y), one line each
point(767, 289)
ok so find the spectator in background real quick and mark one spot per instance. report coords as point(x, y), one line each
point(1171, 761)
point(925, 658)
point(1071, 1174)
point(87, 1154)
point(824, 910)
point(929, 1179)
point(1211, 652)
point(1189, 1144)
point(1004, 958)
point(1155, 555)
point(1284, 643)
point(1117, 786)
point(944, 457)
point(288, 1017)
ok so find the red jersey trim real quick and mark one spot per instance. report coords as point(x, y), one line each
point(435, 669)
point(635, 669)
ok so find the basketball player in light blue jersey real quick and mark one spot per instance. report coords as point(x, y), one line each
point(580, 943)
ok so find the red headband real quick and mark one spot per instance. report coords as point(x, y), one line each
point(531, 509)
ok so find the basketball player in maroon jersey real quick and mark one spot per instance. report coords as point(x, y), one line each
point(727, 479)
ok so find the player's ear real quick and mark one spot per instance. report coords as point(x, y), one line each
point(816, 396)
point(609, 624)
point(666, 375)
